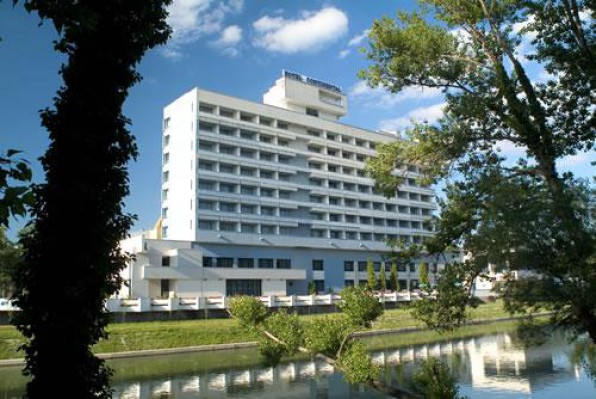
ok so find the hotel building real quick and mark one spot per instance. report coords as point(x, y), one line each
point(262, 198)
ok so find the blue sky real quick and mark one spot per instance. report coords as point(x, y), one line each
point(235, 47)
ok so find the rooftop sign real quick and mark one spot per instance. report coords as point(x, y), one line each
point(314, 82)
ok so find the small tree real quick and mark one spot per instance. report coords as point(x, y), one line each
point(382, 283)
point(393, 277)
point(370, 275)
point(424, 275)
point(312, 288)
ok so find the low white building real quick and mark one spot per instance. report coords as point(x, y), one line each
point(170, 268)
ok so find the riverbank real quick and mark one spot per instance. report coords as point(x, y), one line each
point(130, 337)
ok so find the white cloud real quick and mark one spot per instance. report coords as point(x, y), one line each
point(344, 53)
point(510, 150)
point(354, 41)
point(381, 98)
point(580, 159)
point(228, 39)
point(311, 32)
point(192, 19)
point(428, 114)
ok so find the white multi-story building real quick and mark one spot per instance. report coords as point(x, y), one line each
point(279, 187)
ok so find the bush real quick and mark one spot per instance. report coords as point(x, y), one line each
point(326, 334)
point(357, 366)
point(359, 306)
point(249, 311)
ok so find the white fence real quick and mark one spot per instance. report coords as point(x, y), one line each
point(223, 302)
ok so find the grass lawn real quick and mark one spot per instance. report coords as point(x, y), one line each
point(173, 334)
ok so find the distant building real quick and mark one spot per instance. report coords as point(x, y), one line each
point(263, 198)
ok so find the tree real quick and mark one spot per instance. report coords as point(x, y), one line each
point(14, 199)
point(424, 275)
point(382, 281)
point(371, 279)
point(312, 288)
point(10, 258)
point(514, 215)
point(393, 277)
point(80, 204)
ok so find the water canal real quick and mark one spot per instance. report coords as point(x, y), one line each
point(488, 367)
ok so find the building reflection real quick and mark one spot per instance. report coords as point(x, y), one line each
point(484, 363)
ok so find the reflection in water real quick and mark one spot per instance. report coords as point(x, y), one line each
point(487, 367)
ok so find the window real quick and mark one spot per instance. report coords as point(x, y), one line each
point(206, 225)
point(365, 236)
point(378, 206)
point(206, 185)
point(166, 158)
point(225, 262)
point(227, 149)
point(266, 156)
point(265, 121)
point(287, 213)
point(316, 199)
point(248, 190)
point(350, 202)
point(285, 194)
point(166, 123)
point(164, 194)
point(362, 266)
point(332, 168)
point(206, 165)
point(284, 263)
point(319, 286)
point(165, 288)
point(267, 229)
point(312, 112)
point(206, 127)
point(207, 205)
point(412, 267)
point(333, 184)
point(283, 143)
point(317, 216)
point(164, 213)
point(401, 268)
point(227, 131)
point(266, 192)
point(283, 159)
point(243, 287)
point(364, 220)
point(207, 261)
point(348, 265)
point(247, 134)
point(248, 228)
point(227, 226)
point(286, 231)
point(334, 217)
point(207, 108)
point(266, 174)
point(265, 263)
point(332, 152)
point(360, 173)
point(228, 113)
point(315, 182)
point(282, 125)
point(268, 211)
point(246, 153)
point(246, 117)
point(313, 133)
point(227, 207)
point(244, 171)
point(246, 263)
point(314, 165)
point(331, 136)
point(165, 176)
point(284, 176)
point(414, 284)
point(348, 283)
point(227, 187)
point(388, 266)
point(247, 209)
point(351, 235)
point(312, 148)
point(317, 264)
point(206, 145)
point(336, 234)
point(379, 222)
point(334, 201)
point(227, 168)
point(263, 138)
point(165, 261)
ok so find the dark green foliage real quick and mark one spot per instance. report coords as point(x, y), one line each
point(312, 288)
point(382, 280)
point(359, 306)
point(14, 199)
point(81, 201)
point(448, 309)
point(248, 310)
point(371, 280)
point(357, 365)
point(509, 215)
point(433, 380)
point(288, 328)
point(10, 259)
point(393, 278)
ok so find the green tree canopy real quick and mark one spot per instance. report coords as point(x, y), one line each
point(514, 215)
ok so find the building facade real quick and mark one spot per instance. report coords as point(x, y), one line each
point(258, 189)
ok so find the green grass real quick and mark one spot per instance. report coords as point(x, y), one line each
point(174, 334)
